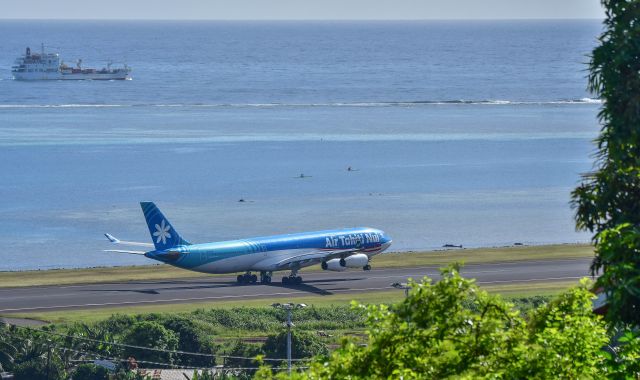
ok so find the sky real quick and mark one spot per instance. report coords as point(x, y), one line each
point(300, 9)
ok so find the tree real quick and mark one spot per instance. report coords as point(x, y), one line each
point(303, 345)
point(37, 369)
point(190, 339)
point(151, 335)
point(607, 202)
point(453, 329)
point(240, 349)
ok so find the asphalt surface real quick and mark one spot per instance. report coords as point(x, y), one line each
point(55, 298)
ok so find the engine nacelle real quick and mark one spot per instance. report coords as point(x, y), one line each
point(333, 265)
point(358, 260)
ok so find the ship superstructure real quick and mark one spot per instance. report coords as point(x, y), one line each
point(48, 66)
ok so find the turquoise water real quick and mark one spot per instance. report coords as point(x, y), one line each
point(468, 133)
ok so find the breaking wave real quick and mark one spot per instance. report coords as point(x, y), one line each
point(416, 103)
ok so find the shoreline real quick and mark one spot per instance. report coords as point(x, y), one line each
point(442, 257)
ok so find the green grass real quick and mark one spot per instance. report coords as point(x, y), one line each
point(391, 260)
point(386, 296)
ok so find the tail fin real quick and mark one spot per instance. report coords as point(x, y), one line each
point(163, 234)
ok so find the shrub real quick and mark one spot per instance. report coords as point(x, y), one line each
point(35, 369)
point(151, 335)
point(303, 345)
point(90, 372)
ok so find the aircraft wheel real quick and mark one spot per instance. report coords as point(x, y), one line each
point(297, 280)
point(253, 278)
point(285, 280)
point(240, 279)
point(267, 279)
point(343, 263)
point(366, 267)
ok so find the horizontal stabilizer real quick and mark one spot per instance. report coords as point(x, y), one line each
point(115, 240)
point(129, 252)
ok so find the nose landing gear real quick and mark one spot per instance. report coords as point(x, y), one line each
point(292, 279)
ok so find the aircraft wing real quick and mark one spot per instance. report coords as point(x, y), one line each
point(313, 257)
point(121, 251)
point(115, 240)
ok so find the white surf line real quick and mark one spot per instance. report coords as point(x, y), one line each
point(252, 295)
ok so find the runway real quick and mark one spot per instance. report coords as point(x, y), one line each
point(55, 298)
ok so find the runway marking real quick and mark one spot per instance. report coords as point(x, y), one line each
point(531, 280)
point(79, 306)
point(415, 276)
point(314, 272)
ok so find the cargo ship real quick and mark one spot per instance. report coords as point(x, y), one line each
point(48, 66)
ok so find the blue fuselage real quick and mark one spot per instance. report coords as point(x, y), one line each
point(273, 253)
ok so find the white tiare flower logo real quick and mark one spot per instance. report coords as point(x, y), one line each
point(162, 232)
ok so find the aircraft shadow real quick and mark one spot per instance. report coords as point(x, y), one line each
point(303, 287)
point(207, 285)
point(307, 286)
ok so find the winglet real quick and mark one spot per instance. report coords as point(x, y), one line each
point(112, 238)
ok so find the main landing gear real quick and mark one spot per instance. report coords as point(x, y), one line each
point(292, 279)
point(265, 277)
point(248, 278)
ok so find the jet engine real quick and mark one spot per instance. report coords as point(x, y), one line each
point(358, 260)
point(333, 265)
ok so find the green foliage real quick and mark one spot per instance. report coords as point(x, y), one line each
point(619, 248)
point(303, 345)
point(36, 369)
point(268, 319)
point(151, 335)
point(568, 337)
point(130, 375)
point(190, 339)
point(608, 201)
point(624, 361)
point(218, 375)
point(527, 304)
point(244, 350)
point(8, 350)
point(452, 329)
point(90, 372)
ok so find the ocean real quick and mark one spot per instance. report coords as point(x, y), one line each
point(457, 132)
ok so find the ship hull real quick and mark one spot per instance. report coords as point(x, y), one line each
point(29, 76)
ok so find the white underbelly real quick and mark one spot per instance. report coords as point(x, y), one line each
point(240, 263)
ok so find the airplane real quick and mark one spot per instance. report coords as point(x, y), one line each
point(334, 250)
